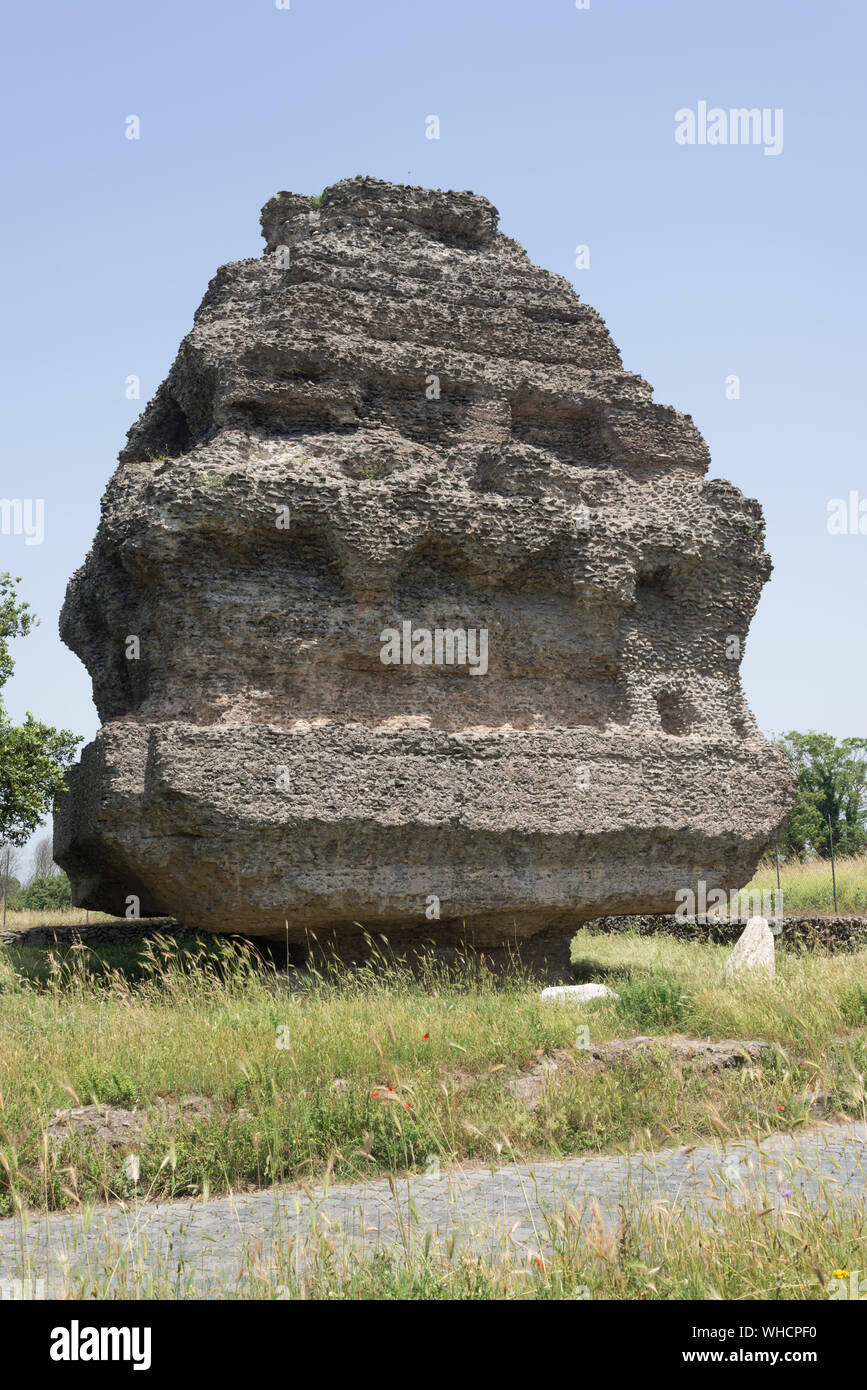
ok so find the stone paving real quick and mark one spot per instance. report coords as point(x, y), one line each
point(210, 1247)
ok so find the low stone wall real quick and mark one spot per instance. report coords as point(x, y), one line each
point(825, 931)
point(94, 933)
point(828, 932)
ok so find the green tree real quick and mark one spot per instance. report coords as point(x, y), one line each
point(14, 883)
point(43, 894)
point(34, 758)
point(832, 781)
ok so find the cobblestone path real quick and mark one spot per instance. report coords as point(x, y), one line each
point(211, 1247)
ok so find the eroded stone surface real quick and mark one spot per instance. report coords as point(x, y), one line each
point(700, 1054)
point(693, 1054)
point(393, 417)
point(116, 1127)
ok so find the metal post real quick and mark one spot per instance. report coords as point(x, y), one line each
point(833, 869)
point(6, 885)
point(777, 853)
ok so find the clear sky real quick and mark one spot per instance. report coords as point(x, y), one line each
point(706, 260)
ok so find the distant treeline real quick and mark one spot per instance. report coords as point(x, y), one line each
point(40, 895)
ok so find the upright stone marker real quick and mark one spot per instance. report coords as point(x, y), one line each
point(754, 949)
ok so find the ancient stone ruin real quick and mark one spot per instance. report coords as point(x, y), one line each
point(410, 610)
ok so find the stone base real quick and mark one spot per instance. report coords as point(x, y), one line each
point(545, 956)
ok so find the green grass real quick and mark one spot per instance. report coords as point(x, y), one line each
point(807, 887)
point(654, 1005)
point(426, 1061)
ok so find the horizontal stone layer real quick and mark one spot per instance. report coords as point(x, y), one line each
point(253, 828)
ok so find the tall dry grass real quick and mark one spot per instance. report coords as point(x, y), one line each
point(54, 917)
point(807, 887)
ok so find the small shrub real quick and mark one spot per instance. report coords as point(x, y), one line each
point(853, 1005)
point(659, 1002)
point(109, 1086)
point(44, 894)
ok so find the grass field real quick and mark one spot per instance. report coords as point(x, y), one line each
point(807, 887)
point(56, 917)
point(424, 1066)
point(424, 1062)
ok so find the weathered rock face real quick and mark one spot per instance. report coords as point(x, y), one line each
point(389, 435)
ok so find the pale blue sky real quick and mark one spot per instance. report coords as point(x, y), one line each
point(704, 261)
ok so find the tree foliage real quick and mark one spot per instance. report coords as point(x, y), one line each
point(34, 757)
point(43, 894)
point(832, 781)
